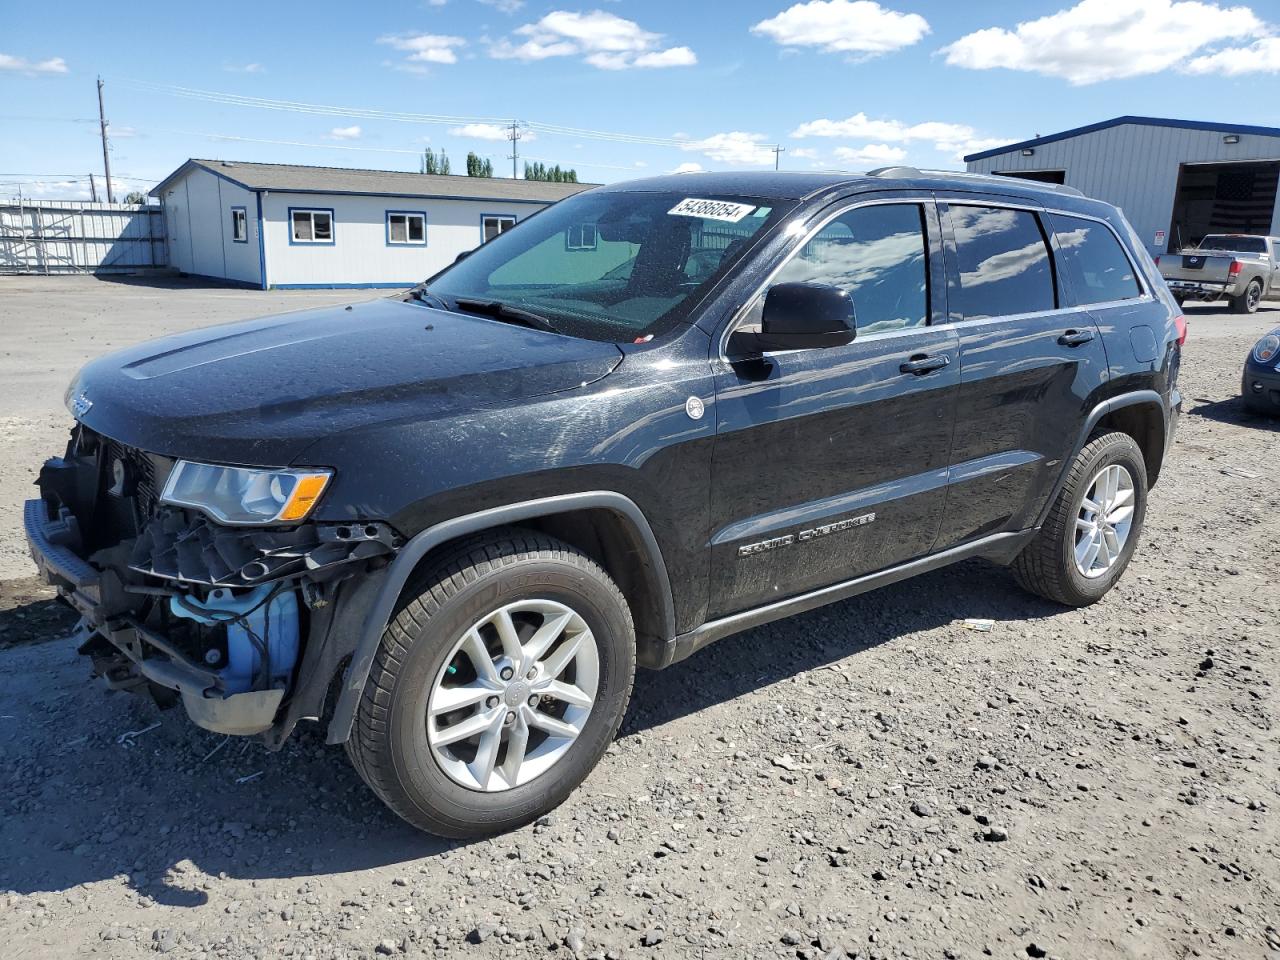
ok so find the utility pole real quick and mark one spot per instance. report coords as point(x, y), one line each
point(106, 156)
point(514, 137)
point(778, 151)
point(93, 189)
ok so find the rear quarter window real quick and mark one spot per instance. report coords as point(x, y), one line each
point(1096, 268)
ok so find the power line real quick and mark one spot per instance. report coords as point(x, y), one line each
point(368, 113)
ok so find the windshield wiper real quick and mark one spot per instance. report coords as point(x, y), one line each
point(423, 295)
point(504, 311)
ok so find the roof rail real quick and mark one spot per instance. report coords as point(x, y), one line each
point(1003, 179)
point(894, 173)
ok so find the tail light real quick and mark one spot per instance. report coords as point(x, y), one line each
point(1235, 268)
point(1180, 324)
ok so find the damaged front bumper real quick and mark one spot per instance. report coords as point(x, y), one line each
point(247, 627)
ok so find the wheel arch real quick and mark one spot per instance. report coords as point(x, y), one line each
point(1141, 415)
point(606, 525)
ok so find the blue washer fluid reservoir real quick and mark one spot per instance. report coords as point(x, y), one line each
point(275, 623)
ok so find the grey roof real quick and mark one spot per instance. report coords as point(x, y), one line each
point(296, 178)
point(1124, 121)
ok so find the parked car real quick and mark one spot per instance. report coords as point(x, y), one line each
point(450, 525)
point(1244, 270)
point(1260, 382)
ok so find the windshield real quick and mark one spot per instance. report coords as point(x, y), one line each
point(610, 266)
point(1236, 244)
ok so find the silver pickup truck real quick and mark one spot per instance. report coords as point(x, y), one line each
point(1244, 270)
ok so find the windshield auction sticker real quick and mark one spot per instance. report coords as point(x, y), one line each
point(711, 209)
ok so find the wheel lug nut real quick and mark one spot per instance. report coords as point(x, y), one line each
point(507, 673)
point(510, 719)
point(533, 672)
point(491, 702)
point(533, 701)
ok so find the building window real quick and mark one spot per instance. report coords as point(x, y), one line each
point(239, 225)
point(581, 236)
point(311, 226)
point(406, 228)
point(492, 224)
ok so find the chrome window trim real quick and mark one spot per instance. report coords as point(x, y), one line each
point(811, 232)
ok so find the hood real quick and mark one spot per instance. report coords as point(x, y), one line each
point(261, 391)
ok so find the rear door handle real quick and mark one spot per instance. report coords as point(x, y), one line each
point(922, 363)
point(1074, 338)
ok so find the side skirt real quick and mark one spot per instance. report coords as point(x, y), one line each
point(1000, 547)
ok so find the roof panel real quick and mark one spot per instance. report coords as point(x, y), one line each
point(1122, 121)
point(286, 178)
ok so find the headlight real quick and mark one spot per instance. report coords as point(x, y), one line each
point(243, 495)
point(1266, 348)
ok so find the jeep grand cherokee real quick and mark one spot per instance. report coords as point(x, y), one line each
point(451, 524)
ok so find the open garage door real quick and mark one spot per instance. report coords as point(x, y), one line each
point(1223, 198)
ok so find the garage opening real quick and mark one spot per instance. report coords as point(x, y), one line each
point(1041, 176)
point(1223, 198)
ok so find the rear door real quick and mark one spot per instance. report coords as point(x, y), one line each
point(831, 463)
point(1029, 366)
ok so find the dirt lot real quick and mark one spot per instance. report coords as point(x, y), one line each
point(868, 780)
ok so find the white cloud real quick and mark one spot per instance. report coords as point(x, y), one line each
point(244, 68)
point(344, 133)
point(502, 6)
point(604, 40)
point(844, 26)
point(1262, 56)
point(490, 131)
point(735, 147)
point(803, 153)
point(880, 153)
point(688, 167)
point(1105, 39)
point(861, 127)
point(22, 65)
point(954, 139)
point(425, 47)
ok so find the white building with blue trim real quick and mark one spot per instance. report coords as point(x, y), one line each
point(273, 225)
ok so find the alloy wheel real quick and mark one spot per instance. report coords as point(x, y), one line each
point(1105, 521)
point(513, 695)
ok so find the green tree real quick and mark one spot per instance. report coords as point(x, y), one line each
point(478, 166)
point(136, 196)
point(553, 174)
point(432, 162)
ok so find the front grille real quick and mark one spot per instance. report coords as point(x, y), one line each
point(139, 480)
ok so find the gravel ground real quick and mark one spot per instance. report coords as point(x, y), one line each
point(867, 780)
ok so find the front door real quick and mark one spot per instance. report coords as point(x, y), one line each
point(831, 463)
point(1029, 365)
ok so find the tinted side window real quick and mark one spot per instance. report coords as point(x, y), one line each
point(1003, 261)
point(878, 254)
point(1094, 262)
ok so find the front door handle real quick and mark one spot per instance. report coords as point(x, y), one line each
point(1075, 338)
point(923, 363)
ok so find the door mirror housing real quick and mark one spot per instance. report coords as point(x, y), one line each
point(803, 316)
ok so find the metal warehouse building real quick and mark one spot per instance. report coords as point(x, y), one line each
point(1176, 180)
point(279, 225)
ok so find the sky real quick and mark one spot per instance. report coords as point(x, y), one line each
point(616, 89)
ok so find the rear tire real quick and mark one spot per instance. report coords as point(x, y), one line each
point(1051, 564)
point(1248, 301)
point(390, 743)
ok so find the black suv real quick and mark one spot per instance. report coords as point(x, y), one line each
point(451, 524)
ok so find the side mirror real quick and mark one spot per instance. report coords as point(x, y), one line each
point(803, 316)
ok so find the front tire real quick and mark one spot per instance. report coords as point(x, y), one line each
point(1248, 301)
point(1093, 527)
point(498, 685)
